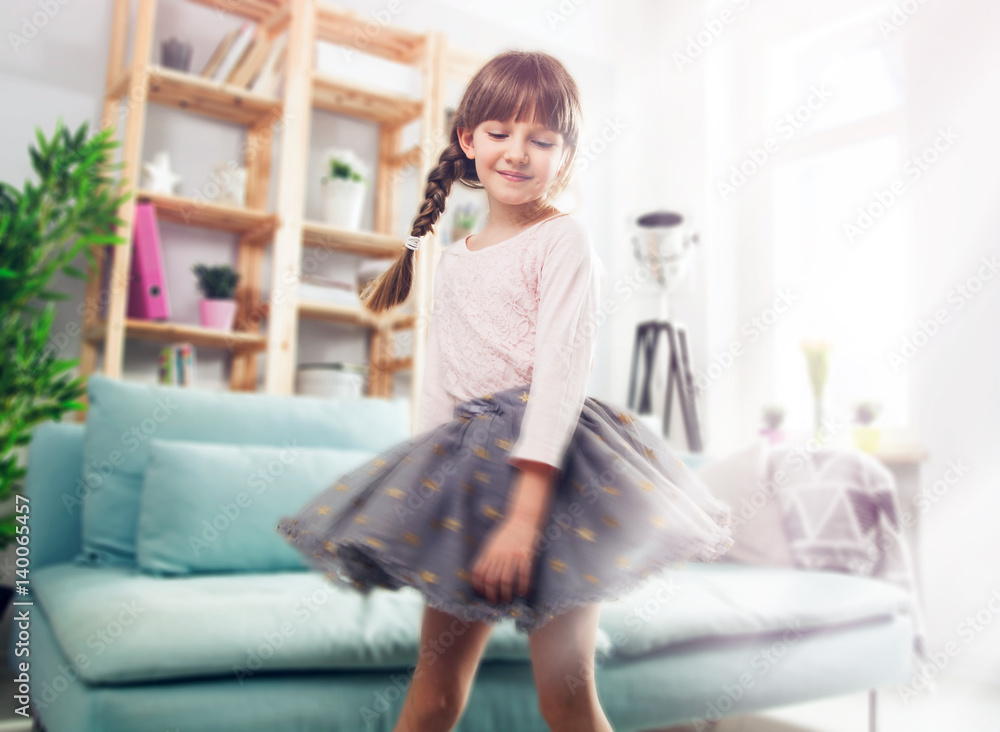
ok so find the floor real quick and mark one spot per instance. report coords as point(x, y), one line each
point(956, 706)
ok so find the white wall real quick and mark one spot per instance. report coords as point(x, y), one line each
point(953, 59)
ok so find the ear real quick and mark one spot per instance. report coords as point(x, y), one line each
point(465, 140)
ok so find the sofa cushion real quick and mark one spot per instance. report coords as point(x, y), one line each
point(214, 508)
point(739, 479)
point(118, 624)
point(702, 600)
point(123, 417)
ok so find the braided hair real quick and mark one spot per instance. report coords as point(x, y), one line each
point(518, 84)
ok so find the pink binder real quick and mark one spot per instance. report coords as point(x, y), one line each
point(147, 295)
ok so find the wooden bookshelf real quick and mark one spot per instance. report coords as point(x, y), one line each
point(284, 233)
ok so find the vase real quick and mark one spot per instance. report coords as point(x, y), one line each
point(774, 435)
point(342, 202)
point(866, 438)
point(176, 54)
point(217, 314)
point(819, 433)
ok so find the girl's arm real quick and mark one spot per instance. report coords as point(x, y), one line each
point(534, 487)
point(565, 344)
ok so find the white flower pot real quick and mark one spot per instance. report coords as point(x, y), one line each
point(217, 314)
point(342, 202)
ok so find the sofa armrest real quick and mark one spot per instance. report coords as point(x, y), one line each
point(55, 492)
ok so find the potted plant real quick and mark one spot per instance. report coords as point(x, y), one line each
point(218, 285)
point(866, 437)
point(343, 189)
point(43, 229)
point(773, 415)
point(463, 221)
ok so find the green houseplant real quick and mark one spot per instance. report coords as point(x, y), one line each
point(218, 285)
point(343, 189)
point(43, 229)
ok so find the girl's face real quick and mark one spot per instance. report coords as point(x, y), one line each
point(516, 161)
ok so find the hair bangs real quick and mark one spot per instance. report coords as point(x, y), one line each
point(524, 91)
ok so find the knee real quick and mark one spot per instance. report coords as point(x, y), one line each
point(565, 701)
point(438, 710)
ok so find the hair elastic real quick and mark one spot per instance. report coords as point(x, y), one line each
point(413, 243)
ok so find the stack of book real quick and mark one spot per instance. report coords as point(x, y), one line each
point(176, 365)
point(247, 57)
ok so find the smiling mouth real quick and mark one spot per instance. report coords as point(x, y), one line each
point(513, 176)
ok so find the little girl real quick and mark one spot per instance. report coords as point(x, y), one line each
point(519, 496)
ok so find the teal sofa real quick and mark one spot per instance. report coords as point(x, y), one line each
point(162, 598)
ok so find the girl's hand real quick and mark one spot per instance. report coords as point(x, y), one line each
point(507, 557)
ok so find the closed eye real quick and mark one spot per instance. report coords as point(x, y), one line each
point(543, 145)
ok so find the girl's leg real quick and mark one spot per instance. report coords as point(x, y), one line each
point(450, 650)
point(562, 659)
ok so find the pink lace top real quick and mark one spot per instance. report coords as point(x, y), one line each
point(524, 310)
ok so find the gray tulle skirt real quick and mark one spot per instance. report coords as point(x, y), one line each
point(419, 513)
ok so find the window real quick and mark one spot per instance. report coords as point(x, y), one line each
point(838, 229)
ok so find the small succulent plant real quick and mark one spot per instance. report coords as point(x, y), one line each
point(865, 412)
point(218, 282)
point(773, 415)
point(345, 164)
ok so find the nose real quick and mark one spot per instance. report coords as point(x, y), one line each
point(517, 150)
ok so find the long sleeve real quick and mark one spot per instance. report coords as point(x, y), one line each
point(565, 340)
point(436, 406)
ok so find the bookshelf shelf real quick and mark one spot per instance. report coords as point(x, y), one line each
point(333, 312)
point(258, 226)
point(210, 98)
point(343, 97)
point(259, 11)
point(363, 243)
point(161, 332)
point(396, 319)
point(345, 27)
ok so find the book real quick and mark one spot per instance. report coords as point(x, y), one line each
point(148, 298)
point(216, 58)
point(252, 61)
point(267, 80)
point(175, 365)
point(186, 357)
point(235, 51)
point(167, 366)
